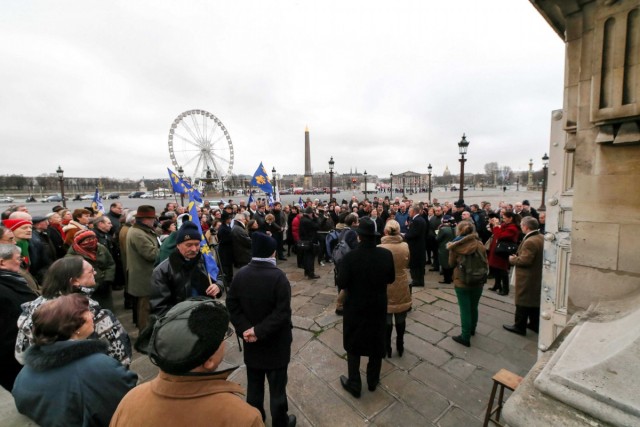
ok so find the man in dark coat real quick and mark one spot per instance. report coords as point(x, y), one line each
point(259, 303)
point(14, 291)
point(225, 247)
point(241, 241)
point(309, 227)
point(366, 272)
point(432, 243)
point(528, 262)
point(415, 237)
point(183, 274)
point(41, 250)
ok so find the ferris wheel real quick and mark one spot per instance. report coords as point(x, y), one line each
point(201, 145)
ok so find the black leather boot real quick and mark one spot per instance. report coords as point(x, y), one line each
point(400, 338)
point(387, 342)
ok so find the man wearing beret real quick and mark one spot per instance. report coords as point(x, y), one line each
point(259, 302)
point(188, 346)
point(183, 274)
point(142, 246)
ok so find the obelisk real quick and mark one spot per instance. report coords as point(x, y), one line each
point(308, 182)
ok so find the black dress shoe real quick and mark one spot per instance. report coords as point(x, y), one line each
point(532, 329)
point(347, 386)
point(514, 329)
point(494, 288)
point(339, 311)
point(313, 276)
point(292, 420)
point(372, 387)
point(504, 294)
point(460, 340)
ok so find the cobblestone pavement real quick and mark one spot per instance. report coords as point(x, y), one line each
point(437, 382)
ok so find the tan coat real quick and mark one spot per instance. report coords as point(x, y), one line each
point(528, 264)
point(200, 400)
point(142, 249)
point(398, 292)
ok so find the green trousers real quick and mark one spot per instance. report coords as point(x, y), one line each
point(468, 300)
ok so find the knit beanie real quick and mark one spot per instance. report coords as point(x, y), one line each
point(14, 224)
point(262, 246)
point(188, 231)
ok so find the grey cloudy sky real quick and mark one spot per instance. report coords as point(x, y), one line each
point(383, 86)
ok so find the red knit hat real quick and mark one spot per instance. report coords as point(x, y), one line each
point(14, 224)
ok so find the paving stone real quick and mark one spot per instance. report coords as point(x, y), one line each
point(500, 305)
point(145, 369)
point(498, 314)
point(300, 339)
point(449, 306)
point(459, 368)
point(309, 310)
point(487, 344)
point(328, 317)
point(311, 291)
point(425, 351)
point(450, 387)
point(370, 403)
point(333, 339)
point(416, 395)
point(318, 401)
point(481, 380)
point(10, 415)
point(424, 296)
point(322, 361)
point(448, 316)
point(324, 299)
point(514, 340)
point(298, 301)
point(301, 322)
point(430, 320)
point(491, 362)
point(440, 294)
point(425, 332)
point(406, 362)
point(456, 417)
point(400, 415)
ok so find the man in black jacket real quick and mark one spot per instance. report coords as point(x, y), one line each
point(415, 237)
point(308, 236)
point(259, 303)
point(366, 272)
point(183, 274)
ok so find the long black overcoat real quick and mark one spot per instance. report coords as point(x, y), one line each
point(365, 273)
point(260, 297)
point(415, 237)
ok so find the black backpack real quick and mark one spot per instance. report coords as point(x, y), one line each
point(474, 268)
point(340, 249)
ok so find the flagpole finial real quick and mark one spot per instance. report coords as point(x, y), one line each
point(306, 128)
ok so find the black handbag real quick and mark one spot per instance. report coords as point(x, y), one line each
point(506, 248)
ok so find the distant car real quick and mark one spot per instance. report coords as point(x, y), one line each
point(455, 188)
point(52, 199)
point(146, 196)
point(136, 194)
point(113, 196)
point(87, 197)
point(6, 199)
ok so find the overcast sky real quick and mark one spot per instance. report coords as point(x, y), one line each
point(94, 86)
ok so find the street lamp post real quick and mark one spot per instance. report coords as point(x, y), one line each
point(545, 170)
point(60, 173)
point(463, 145)
point(180, 174)
point(518, 183)
point(430, 169)
point(331, 164)
point(391, 185)
point(365, 184)
point(275, 182)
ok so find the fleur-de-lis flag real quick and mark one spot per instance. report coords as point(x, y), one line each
point(261, 180)
point(181, 186)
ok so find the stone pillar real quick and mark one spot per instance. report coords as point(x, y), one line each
point(530, 176)
point(308, 182)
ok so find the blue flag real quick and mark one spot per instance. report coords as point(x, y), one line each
point(300, 203)
point(209, 261)
point(96, 204)
point(181, 186)
point(261, 180)
point(250, 199)
point(271, 201)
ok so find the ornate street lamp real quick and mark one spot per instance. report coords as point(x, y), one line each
point(60, 173)
point(331, 164)
point(545, 169)
point(275, 182)
point(430, 169)
point(391, 186)
point(518, 183)
point(463, 146)
point(365, 184)
point(181, 174)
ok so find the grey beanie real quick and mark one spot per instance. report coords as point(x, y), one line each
point(188, 334)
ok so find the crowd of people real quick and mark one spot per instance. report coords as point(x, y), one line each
point(58, 273)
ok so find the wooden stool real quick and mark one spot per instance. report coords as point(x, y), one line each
point(504, 379)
